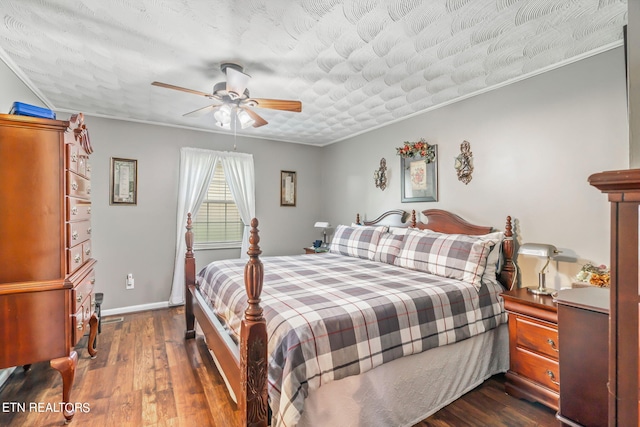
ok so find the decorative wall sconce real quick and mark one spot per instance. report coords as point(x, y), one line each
point(380, 175)
point(464, 163)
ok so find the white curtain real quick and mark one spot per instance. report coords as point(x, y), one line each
point(238, 172)
point(196, 170)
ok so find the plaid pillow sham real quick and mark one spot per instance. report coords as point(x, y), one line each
point(389, 247)
point(359, 242)
point(456, 256)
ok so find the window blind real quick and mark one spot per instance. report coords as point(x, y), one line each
point(218, 219)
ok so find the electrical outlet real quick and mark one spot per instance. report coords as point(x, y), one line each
point(130, 281)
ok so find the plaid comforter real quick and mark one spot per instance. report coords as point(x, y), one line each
point(331, 316)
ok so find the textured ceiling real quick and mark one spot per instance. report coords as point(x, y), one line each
point(355, 64)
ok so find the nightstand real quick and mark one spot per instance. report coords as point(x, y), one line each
point(312, 250)
point(533, 347)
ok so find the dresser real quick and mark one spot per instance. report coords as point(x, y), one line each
point(47, 277)
point(533, 347)
point(583, 325)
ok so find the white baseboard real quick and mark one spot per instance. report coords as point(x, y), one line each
point(134, 308)
point(4, 375)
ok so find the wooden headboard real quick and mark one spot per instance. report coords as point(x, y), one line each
point(446, 222)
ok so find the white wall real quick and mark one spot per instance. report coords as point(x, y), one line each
point(534, 145)
point(13, 89)
point(141, 239)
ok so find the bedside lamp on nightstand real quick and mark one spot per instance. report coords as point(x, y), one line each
point(324, 225)
point(543, 251)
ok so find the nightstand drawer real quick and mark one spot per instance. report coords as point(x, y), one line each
point(537, 336)
point(540, 369)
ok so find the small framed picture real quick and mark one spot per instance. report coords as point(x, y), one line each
point(419, 180)
point(288, 188)
point(123, 185)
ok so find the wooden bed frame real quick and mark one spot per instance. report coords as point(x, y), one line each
point(245, 369)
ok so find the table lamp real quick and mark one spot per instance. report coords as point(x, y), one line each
point(543, 251)
point(324, 225)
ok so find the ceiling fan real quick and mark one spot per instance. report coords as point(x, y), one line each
point(234, 99)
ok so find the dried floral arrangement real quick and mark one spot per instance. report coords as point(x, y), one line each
point(594, 275)
point(417, 149)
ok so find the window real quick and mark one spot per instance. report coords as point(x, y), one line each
point(218, 223)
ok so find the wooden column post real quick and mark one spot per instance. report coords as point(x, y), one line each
point(253, 341)
point(508, 274)
point(189, 280)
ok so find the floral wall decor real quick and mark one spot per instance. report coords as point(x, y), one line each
point(417, 149)
point(464, 163)
point(418, 163)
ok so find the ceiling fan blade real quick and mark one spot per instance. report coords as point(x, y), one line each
point(201, 111)
point(237, 82)
point(258, 121)
point(277, 104)
point(195, 92)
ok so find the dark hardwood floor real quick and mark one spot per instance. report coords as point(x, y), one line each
point(146, 374)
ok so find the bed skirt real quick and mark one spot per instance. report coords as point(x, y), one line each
point(409, 389)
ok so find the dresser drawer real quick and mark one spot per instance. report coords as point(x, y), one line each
point(80, 320)
point(72, 157)
point(78, 186)
point(87, 171)
point(78, 209)
point(537, 336)
point(82, 291)
point(74, 258)
point(86, 250)
point(540, 369)
point(78, 232)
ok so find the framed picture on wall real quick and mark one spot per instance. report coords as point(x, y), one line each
point(288, 188)
point(419, 180)
point(123, 182)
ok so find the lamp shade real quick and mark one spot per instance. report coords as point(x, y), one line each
point(322, 224)
point(538, 249)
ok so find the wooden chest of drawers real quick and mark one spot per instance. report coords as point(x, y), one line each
point(533, 347)
point(47, 279)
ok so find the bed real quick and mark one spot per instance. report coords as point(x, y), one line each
point(365, 334)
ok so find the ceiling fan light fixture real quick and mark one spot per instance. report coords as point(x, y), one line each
point(245, 119)
point(223, 116)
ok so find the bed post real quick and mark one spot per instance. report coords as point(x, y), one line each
point(508, 273)
point(189, 280)
point(252, 401)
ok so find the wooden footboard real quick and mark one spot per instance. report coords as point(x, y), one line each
point(245, 369)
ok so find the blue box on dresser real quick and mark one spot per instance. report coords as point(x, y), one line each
point(22, 109)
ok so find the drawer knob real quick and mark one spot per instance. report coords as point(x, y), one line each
point(88, 190)
point(74, 210)
point(93, 281)
point(74, 185)
point(79, 325)
point(77, 258)
point(87, 252)
point(74, 157)
point(79, 298)
point(74, 235)
point(89, 230)
point(552, 343)
point(89, 210)
point(552, 377)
